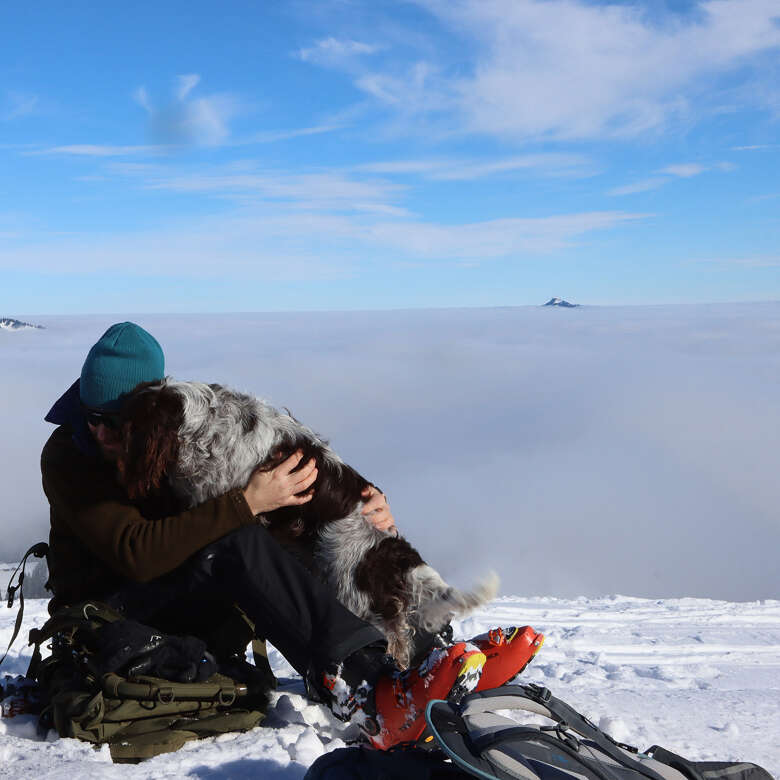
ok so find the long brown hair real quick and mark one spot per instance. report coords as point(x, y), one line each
point(151, 419)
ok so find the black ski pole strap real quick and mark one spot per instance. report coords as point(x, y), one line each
point(39, 550)
point(579, 723)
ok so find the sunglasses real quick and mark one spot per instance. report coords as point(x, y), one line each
point(109, 419)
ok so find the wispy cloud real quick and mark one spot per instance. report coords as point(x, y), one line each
point(16, 105)
point(573, 69)
point(643, 185)
point(688, 170)
point(334, 52)
point(495, 238)
point(101, 150)
point(271, 136)
point(141, 96)
point(108, 150)
point(187, 119)
point(552, 164)
point(260, 242)
point(369, 187)
point(669, 173)
point(383, 208)
point(420, 88)
point(753, 147)
point(185, 84)
point(758, 261)
point(243, 181)
point(331, 215)
point(593, 70)
point(684, 171)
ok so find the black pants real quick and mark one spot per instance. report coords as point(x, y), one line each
point(289, 606)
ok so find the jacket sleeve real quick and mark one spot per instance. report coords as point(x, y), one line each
point(85, 496)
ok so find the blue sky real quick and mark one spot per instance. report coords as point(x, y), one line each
point(357, 155)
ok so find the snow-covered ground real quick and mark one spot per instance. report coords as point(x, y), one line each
point(698, 676)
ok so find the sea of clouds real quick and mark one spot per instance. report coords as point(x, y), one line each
point(585, 451)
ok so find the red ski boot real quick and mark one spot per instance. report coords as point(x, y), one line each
point(507, 652)
point(400, 699)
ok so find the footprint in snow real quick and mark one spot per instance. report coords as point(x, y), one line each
point(730, 729)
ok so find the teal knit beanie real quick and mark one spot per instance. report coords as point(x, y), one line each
point(124, 356)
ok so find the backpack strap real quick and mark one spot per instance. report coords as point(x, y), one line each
point(83, 617)
point(222, 690)
point(563, 742)
point(39, 550)
point(682, 765)
point(565, 715)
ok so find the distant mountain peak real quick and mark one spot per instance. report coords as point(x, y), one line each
point(561, 302)
point(9, 323)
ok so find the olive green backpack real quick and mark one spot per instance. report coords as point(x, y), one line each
point(139, 717)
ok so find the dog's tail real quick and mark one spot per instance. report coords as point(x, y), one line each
point(435, 603)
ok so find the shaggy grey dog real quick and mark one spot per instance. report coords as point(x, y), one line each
point(207, 439)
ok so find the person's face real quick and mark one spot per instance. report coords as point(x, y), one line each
point(108, 440)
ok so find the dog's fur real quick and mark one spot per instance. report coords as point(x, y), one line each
point(207, 439)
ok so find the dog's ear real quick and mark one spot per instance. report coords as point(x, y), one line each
point(151, 419)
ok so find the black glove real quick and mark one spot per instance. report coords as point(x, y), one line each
point(130, 648)
point(182, 659)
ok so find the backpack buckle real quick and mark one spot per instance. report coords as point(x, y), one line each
point(165, 696)
point(226, 697)
point(566, 737)
point(538, 693)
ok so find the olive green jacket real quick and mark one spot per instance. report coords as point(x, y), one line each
point(99, 538)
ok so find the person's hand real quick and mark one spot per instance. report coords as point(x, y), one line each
point(377, 510)
point(281, 486)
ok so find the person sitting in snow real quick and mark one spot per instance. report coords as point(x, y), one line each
point(106, 547)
